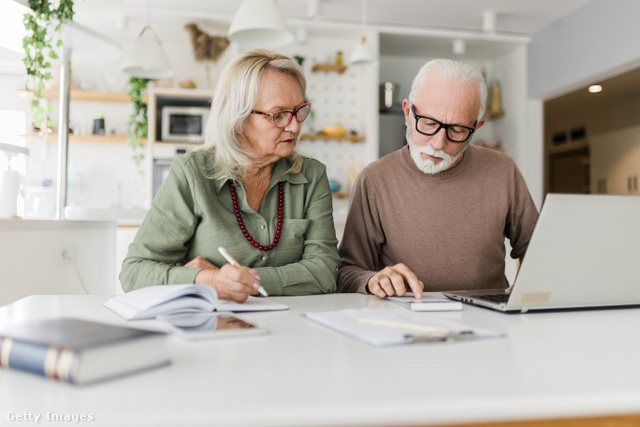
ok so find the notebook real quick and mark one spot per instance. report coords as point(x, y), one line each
point(584, 252)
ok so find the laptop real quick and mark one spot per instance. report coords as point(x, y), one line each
point(584, 252)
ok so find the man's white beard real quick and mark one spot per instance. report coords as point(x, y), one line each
point(429, 166)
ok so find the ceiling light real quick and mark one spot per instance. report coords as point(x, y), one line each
point(259, 22)
point(363, 53)
point(489, 19)
point(459, 47)
point(595, 88)
point(313, 8)
point(147, 59)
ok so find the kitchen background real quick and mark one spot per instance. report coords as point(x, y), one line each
point(103, 181)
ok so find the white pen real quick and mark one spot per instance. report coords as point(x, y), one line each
point(231, 260)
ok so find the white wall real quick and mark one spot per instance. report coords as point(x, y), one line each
point(510, 71)
point(596, 41)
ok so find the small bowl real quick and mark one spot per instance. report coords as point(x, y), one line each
point(334, 131)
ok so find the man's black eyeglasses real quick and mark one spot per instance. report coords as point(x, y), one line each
point(283, 118)
point(428, 126)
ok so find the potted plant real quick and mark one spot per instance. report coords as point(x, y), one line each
point(43, 24)
point(138, 121)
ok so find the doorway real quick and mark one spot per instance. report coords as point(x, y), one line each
point(578, 123)
point(569, 172)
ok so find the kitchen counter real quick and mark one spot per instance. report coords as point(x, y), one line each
point(123, 216)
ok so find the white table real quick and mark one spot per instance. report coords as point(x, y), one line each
point(549, 365)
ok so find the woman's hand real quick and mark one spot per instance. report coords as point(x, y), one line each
point(231, 283)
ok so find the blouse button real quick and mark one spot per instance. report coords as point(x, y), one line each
point(262, 227)
point(264, 258)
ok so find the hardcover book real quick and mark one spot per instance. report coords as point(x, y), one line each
point(79, 351)
point(153, 301)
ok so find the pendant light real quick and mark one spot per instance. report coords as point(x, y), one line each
point(147, 60)
point(363, 52)
point(259, 23)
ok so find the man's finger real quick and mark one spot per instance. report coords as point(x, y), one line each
point(410, 279)
point(386, 285)
point(375, 289)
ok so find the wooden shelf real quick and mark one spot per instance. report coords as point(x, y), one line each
point(109, 139)
point(329, 67)
point(493, 114)
point(352, 138)
point(180, 143)
point(80, 95)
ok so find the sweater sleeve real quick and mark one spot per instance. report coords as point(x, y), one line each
point(315, 272)
point(523, 215)
point(362, 239)
point(157, 253)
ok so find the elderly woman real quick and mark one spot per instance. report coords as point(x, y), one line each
point(247, 190)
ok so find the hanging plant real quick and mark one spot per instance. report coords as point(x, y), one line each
point(39, 51)
point(138, 121)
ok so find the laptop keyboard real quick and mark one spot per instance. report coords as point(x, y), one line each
point(493, 298)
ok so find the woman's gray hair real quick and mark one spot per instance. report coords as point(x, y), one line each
point(234, 98)
point(454, 70)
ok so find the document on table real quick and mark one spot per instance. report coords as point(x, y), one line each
point(380, 327)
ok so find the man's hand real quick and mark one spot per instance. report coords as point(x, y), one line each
point(395, 280)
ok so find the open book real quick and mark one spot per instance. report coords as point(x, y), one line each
point(152, 301)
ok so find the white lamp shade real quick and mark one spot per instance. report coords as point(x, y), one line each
point(362, 54)
point(259, 22)
point(147, 59)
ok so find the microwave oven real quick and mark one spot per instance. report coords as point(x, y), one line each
point(184, 124)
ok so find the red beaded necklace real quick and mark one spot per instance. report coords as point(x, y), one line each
point(255, 244)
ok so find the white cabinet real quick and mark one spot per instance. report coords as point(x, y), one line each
point(615, 161)
point(56, 257)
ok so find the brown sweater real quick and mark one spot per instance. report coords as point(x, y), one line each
point(448, 228)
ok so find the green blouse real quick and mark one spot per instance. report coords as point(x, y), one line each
point(193, 215)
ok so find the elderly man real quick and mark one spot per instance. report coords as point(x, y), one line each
point(433, 215)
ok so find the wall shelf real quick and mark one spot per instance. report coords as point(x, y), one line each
point(80, 95)
point(352, 138)
point(493, 114)
point(329, 67)
point(180, 143)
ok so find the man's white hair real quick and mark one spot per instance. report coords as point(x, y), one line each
point(456, 71)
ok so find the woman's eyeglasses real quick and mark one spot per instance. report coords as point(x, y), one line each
point(283, 118)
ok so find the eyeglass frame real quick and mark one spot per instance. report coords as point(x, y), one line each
point(293, 113)
point(442, 125)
